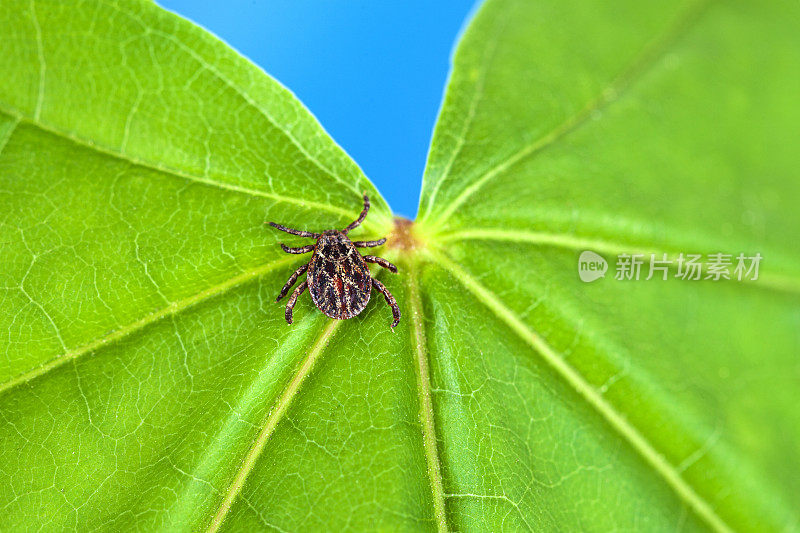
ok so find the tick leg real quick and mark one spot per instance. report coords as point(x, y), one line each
point(368, 244)
point(298, 232)
point(360, 218)
point(291, 281)
point(293, 300)
point(389, 300)
point(299, 250)
point(380, 261)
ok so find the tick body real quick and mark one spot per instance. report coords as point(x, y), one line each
point(338, 277)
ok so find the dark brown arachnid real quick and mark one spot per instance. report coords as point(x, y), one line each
point(338, 277)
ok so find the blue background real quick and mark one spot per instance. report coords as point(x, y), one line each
point(372, 71)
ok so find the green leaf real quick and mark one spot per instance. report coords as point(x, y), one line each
point(618, 127)
point(148, 380)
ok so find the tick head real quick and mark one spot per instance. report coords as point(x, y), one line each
point(334, 245)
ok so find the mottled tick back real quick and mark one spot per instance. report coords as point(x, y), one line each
point(338, 277)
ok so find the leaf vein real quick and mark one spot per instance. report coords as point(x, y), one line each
point(426, 403)
point(163, 169)
point(477, 95)
point(42, 65)
point(612, 93)
point(170, 310)
point(766, 280)
point(270, 423)
point(6, 137)
point(591, 395)
point(246, 97)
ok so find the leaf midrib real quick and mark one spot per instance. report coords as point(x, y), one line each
point(420, 345)
point(477, 94)
point(233, 493)
point(203, 64)
point(766, 280)
point(163, 169)
point(246, 97)
point(607, 411)
point(613, 92)
point(170, 310)
point(270, 423)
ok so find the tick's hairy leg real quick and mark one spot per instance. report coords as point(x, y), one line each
point(380, 261)
point(298, 250)
point(293, 300)
point(360, 218)
point(298, 232)
point(292, 280)
point(389, 300)
point(368, 244)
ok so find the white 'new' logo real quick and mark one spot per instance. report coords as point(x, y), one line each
point(591, 266)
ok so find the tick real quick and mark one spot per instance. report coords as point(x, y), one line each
point(337, 274)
